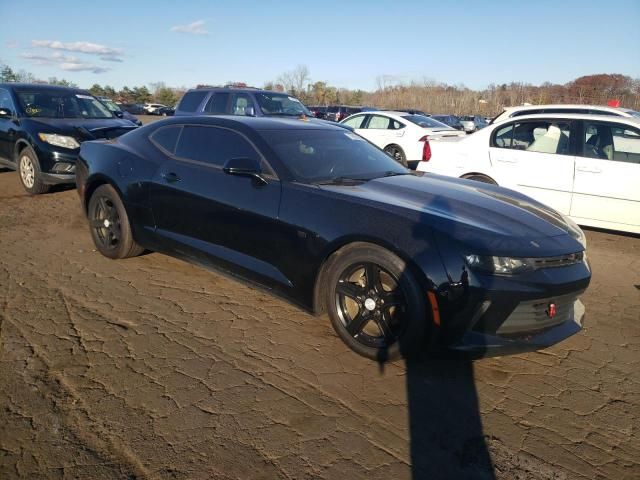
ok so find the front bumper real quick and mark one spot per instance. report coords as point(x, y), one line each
point(58, 179)
point(479, 344)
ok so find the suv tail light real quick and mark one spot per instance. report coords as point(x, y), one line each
point(426, 149)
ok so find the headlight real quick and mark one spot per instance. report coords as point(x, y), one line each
point(575, 231)
point(500, 265)
point(59, 140)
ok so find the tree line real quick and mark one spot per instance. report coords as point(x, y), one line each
point(426, 95)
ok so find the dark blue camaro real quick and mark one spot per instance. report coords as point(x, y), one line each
point(400, 261)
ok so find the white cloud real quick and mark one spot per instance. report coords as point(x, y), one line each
point(64, 62)
point(80, 47)
point(111, 58)
point(194, 28)
point(11, 44)
point(82, 67)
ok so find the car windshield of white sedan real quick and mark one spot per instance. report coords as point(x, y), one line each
point(319, 156)
point(425, 122)
point(60, 104)
point(279, 104)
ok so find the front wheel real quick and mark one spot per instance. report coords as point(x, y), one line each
point(109, 223)
point(396, 153)
point(30, 173)
point(375, 303)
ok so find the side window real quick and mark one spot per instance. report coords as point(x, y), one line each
point(503, 136)
point(612, 142)
point(217, 103)
point(355, 122)
point(395, 125)
point(6, 101)
point(378, 122)
point(239, 103)
point(213, 145)
point(166, 138)
point(542, 137)
point(192, 100)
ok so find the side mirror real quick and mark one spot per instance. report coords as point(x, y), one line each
point(244, 167)
point(118, 114)
point(5, 113)
point(249, 111)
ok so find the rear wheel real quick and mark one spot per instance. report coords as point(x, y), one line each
point(374, 303)
point(30, 173)
point(109, 223)
point(396, 153)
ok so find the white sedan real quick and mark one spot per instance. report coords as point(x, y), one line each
point(585, 166)
point(402, 135)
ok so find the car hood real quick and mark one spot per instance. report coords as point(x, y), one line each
point(81, 128)
point(492, 219)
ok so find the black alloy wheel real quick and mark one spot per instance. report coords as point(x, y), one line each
point(105, 223)
point(374, 302)
point(109, 224)
point(371, 304)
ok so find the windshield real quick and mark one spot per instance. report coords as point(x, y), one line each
point(111, 105)
point(317, 156)
point(279, 104)
point(61, 104)
point(425, 122)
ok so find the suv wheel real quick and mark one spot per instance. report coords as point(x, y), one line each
point(30, 174)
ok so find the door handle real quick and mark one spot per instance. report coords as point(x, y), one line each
point(589, 170)
point(171, 177)
point(506, 160)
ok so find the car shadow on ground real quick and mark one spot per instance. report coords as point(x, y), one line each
point(445, 428)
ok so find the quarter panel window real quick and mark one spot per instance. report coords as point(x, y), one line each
point(166, 138)
point(192, 100)
point(213, 145)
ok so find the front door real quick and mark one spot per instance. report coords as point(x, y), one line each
point(195, 203)
point(535, 157)
point(607, 182)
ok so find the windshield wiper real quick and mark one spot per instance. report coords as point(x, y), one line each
point(391, 173)
point(284, 114)
point(342, 181)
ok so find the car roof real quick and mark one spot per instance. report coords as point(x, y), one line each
point(566, 105)
point(235, 89)
point(256, 123)
point(572, 116)
point(40, 86)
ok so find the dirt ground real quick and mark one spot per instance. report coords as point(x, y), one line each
point(155, 368)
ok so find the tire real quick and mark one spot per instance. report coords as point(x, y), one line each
point(480, 178)
point(397, 154)
point(29, 172)
point(375, 303)
point(109, 225)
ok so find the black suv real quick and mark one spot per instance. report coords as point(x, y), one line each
point(244, 101)
point(42, 127)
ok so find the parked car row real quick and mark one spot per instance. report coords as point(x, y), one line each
point(327, 215)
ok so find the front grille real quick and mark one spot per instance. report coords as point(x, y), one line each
point(559, 261)
point(531, 315)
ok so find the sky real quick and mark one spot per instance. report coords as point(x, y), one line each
point(347, 43)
